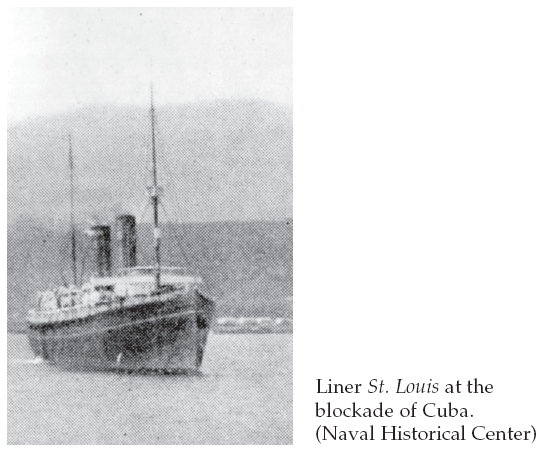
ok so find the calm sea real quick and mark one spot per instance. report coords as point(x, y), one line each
point(243, 397)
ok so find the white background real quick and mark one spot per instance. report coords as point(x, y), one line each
point(418, 206)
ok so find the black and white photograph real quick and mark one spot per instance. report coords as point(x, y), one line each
point(153, 177)
point(149, 226)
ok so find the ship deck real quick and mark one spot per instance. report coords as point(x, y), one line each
point(83, 311)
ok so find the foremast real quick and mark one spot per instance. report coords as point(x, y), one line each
point(72, 212)
point(154, 194)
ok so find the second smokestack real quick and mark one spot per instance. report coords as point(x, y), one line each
point(126, 239)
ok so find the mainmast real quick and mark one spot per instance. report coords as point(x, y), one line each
point(154, 193)
point(72, 216)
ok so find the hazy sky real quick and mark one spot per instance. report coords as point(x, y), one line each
point(63, 58)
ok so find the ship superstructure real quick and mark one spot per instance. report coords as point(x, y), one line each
point(140, 318)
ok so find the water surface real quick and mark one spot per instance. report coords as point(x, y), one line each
point(244, 396)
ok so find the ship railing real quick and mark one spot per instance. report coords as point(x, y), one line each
point(145, 271)
point(69, 313)
point(80, 311)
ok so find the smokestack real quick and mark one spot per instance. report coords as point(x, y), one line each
point(126, 236)
point(101, 247)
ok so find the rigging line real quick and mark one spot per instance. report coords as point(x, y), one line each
point(62, 277)
point(62, 255)
point(166, 158)
point(177, 204)
point(177, 208)
point(155, 195)
point(84, 254)
point(177, 239)
point(143, 210)
point(73, 181)
point(72, 213)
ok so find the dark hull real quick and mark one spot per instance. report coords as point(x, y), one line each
point(167, 334)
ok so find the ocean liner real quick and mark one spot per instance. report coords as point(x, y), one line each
point(140, 318)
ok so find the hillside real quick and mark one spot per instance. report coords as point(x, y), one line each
point(218, 161)
point(247, 266)
point(226, 168)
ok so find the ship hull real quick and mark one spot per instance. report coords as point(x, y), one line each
point(167, 333)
